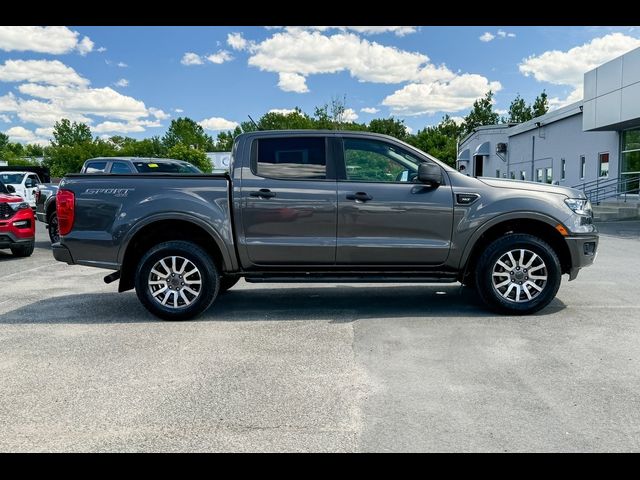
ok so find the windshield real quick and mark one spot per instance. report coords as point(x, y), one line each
point(165, 167)
point(3, 189)
point(15, 178)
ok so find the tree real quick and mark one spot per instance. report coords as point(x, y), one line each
point(4, 140)
point(389, 126)
point(187, 132)
point(67, 134)
point(194, 156)
point(296, 120)
point(540, 105)
point(481, 114)
point(519, 111)
point(439, 140)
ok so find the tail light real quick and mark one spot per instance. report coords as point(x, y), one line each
point(65, 208)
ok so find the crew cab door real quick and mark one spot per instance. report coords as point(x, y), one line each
point(289, 202)
point(384, 216)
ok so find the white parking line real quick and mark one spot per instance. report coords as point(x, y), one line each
point(30, 270)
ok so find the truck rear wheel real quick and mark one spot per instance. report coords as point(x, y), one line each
point(518, 274)
point(177, 280)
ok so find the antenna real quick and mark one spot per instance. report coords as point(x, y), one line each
point(254, 123)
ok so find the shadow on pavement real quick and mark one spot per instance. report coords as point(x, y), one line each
point(343, 303)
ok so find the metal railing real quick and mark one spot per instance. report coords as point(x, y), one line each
point(621, 188)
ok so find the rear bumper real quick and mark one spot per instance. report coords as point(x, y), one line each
point(583, 250)
point(62, 254)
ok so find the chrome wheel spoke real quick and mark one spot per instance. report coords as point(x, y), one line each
point(174, 288)
point(513, 280)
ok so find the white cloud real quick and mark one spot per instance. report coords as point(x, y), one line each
point(568, 68)
point(101, 49)
point(486, 37)
point(371, 110)
point(52, 72)
point(117, 127)
point(178, 110)
point(123, 82)
point(122, 65)
point(349, 115)
point(237, 41)
point(85, 46)
point(8, 103)
point(220, 57)
point(24, 135)
point(217, 123)
point(283, 111)
point(55, 40)
point(292, 82)
point(502, 33)
point(451, 96)
point(191, 58)
point(158, 114)
point(5, 118)
point(408, 129)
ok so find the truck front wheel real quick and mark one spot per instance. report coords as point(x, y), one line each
point(518, 274)
point(177, 280)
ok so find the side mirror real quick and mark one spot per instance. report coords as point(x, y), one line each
point(11, 189)
point(430, 173)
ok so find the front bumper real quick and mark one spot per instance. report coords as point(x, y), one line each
point(583, 250)
point(20, 229)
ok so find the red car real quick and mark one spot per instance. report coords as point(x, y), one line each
point(17, 223)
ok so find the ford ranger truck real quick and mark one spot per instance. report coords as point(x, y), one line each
point(324, 206)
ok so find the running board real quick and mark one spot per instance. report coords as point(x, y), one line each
point(347, 279)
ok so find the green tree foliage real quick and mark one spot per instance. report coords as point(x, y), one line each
point(540, 105)
point(186, 131)
point(4, 140)
point(481, 114)
point(519, 111)
point(194, 156)
point(389, 126)
point(68, 134)
point(296, 120)
point(439, 140)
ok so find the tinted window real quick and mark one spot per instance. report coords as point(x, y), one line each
point(15, 178)
point(296, 157)
point(120, 167)
point(96, 167)
point(165, 167)
point(3, 189)
point(375, 161)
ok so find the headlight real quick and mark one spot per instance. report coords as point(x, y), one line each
point(579, 206)
point(18, 205)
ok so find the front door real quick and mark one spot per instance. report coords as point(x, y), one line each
point(289, 203)
point(478, 161)
point(384, 215)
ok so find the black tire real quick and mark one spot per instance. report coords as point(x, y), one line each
point(484, 275)
point(207, 271)
point(22, 250)
point(227, 282)
point(54, 234)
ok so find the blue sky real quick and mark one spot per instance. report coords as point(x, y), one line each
point(134, 80)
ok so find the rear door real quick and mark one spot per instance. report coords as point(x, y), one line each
point(289, 202)
point(384, 216)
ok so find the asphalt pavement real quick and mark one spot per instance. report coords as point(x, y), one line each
point(345, 367)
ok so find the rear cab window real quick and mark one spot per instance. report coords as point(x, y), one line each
point(165, 167)
point(96, 167)
point(301, 158)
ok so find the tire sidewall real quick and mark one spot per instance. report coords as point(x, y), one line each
point(497, 249)
point(195, 254)
point(53, 220)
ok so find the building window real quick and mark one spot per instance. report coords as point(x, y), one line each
point(539, 175)
point(603, 163)
point(497, 173)
point(563, 168)
point(630, 160)
point(523, 175)
point(549, 172)
point(512, 175)
point(583, 166)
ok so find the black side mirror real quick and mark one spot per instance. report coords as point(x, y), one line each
point(430, 173)
point(11, 189)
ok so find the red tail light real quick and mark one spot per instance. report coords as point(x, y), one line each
point(65, 208)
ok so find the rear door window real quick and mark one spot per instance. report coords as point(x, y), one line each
point(120, 167)
point(96, 167)
point(303, 158)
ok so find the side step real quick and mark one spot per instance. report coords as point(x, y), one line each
point(348, 279)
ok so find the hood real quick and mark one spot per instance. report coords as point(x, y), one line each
point(532, 187)
point(9, 198)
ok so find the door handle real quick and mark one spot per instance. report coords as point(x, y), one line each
point(359, 197)
point(263, 193)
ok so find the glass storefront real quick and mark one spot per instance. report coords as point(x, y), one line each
point(630, 160)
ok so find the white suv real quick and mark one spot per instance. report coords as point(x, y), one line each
point(25, 183)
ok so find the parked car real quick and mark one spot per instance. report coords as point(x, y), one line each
point(17, 223)
point(45, 198)
point(329, 206)
point(25, 184)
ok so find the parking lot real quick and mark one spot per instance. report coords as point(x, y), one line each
point(347, 367)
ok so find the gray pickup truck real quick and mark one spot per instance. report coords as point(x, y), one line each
point(324, 206)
